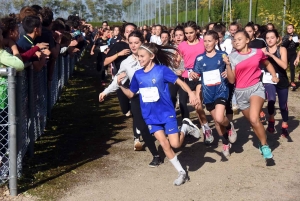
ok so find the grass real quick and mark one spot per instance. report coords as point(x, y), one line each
point(81, 130)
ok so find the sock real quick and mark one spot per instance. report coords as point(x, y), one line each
point(228, 127)
point(184, 128)
point(284, 126)
point(224, 139)
point(203, 129)
point(175, 162)
point(206, 126)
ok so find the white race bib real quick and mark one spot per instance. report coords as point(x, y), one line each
point(103, 48)
point(149, 94)
point(267, 78)
point(296, 39)
point(212, 78)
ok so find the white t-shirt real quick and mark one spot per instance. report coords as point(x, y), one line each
point(226, 46)
point(155, 39)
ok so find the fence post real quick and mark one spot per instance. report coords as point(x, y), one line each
point(12, 131)
point(31, 112)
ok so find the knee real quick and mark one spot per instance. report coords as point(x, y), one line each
point(219, 120)
point(254, 121)
point(175, 144)
point(165, 144)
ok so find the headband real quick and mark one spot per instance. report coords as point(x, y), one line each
point(147, 49)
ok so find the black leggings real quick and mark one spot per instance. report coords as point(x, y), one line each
point(184, 97)
point(291, 58)
point(173, 88)
point(100, 67)
point(124, 101)
point(139, 123)
point(229, 101)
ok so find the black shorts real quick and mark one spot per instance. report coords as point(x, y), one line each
point(211, 106)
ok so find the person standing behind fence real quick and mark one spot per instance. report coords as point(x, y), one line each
point(13, 61)
point(32, 27)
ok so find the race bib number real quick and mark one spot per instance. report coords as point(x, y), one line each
point(267, 78)
point(103, 48)
point(212, 78)
point(296, 39)
point(149, 94)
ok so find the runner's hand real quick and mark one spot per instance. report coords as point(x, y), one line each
point(224, 74)
point(226, 59)
point(124, 52)
point(43, 45)
point(194, 75)
point(296, 62)
point(101, 97)
point(121, 77)
point(193, 99)
point(275, 79)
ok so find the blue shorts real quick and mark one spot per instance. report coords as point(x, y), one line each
point(169, 127)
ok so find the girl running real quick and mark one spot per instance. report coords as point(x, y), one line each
point(157, 109)
point(215, 91)
point(189, 50)
point(277, 56)
point(244, 70)
point(101, 45)
point(129, 66)
point(291, 41)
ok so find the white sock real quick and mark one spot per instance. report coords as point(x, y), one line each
point(184, 128)
point(206, 126)
point(177, 164)
point(203, 129)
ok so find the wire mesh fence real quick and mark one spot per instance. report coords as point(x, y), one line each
point(28, 97)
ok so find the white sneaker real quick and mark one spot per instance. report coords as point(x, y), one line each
point(182, 178)
point(137, 145)
point(128, 114)
point(226, 149)
point(209, 138)
point(192, 129)
point(232, 134)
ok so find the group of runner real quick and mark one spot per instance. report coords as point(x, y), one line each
point(219, 67)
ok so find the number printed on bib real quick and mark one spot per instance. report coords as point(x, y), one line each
point(212, 78)
point(149, 94)
point(267, 78)
point(103, 48)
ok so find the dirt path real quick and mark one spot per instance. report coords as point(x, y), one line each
point(87, 154)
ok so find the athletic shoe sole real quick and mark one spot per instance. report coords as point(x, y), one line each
point(190, 123)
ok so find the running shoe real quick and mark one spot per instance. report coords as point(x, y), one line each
point(271, 127)
point(284, 132)
point(137, 145)
point(232, 134)
point(226, 149)
point(208, 137)
point(266, 152)
point(262, 116)
point(182, 178)
point(128, 114)
point(155, 162)
point(192, 129)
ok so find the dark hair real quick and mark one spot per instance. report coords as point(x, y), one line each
point(215, 36)
point(31, 22)
point(66, 38)
point(57, 25)
point(220, 28)
point(158, 25)
point(26, 11)
point(250, 24)
point(193, 25)
point(290, 25)
point(37, 8)
point(243, 32)
point(122, 30)
point(162, 54)
point(238, 25)
point(105, 22)
point(8, 24)
point(271, 31)
point(179, 28)
point(47, 16)
point(207, 26)
point(137, 34)
point(116, 27)
point(165, 32)
point(271, 24)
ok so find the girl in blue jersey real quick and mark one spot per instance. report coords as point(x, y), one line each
point(215, 90)
point(157, 108)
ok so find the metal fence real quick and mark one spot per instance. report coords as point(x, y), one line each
point(26, 101)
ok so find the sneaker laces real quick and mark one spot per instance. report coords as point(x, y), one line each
point(226, 147)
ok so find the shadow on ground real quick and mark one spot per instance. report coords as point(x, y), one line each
point(81, 130)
